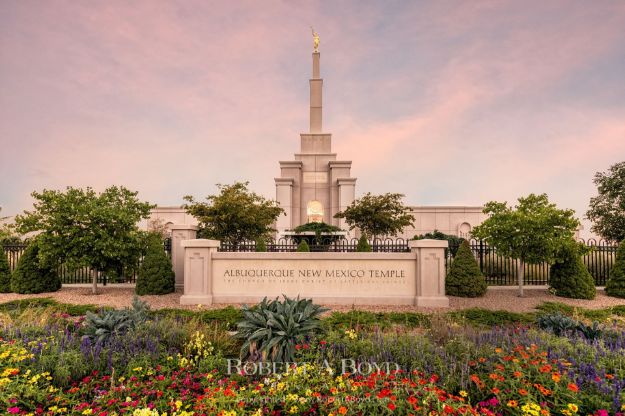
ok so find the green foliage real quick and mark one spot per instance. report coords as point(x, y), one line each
point(607, 209)
point(377, 215)
point(363, 245)
point(271, 329)
point(489, 318)
point(464, 277)
point(615, 285)
point(370, 320)
point(18, 305)
point(303, 247)
point(235, 214)
point(79, 227)
point(155, 275)
point(33, 276)
point(261, 245)
point(454, 241)
point(532, 232)
point(569, 277)
point(5, 272)
point(557, 323)
point(590, 332)
point(317, 228)
point(101, 327)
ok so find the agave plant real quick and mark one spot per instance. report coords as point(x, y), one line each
point(557, 323)
point(272, 328)
point(100, 327)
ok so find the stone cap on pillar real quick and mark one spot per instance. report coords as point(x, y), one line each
point(184, 227)
point(428, 243)
point(200, 242)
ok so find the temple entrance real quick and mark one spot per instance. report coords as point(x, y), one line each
point(314, 211)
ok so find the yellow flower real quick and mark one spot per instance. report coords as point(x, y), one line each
point(463, 393)
point(87, 412)
point(293, 410)
point(573, 407)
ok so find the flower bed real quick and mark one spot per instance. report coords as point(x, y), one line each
point(178, 366)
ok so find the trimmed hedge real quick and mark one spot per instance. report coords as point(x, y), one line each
point(569, 277)
point(616, 283)
point(464, 277)
point(32, 277)
point(155, 275)
point(5, 273)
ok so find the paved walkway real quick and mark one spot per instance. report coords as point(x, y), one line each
point(495, 299)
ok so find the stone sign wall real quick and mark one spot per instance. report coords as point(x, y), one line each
point(415, 278)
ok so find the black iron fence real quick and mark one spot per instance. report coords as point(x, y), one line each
point(285, 245)
point(82, 274)
point(500, 270)
point(497, 269)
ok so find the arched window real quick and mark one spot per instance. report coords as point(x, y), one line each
point(314, 210)
point(464, 230)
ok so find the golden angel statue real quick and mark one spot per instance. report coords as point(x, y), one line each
point(315, 40)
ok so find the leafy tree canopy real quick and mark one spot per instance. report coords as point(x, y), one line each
point(377, 215)
point(532, 232)
point(80, 227)
point(235, 214)
point(607, 210)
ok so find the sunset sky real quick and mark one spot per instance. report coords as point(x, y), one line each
point(448, 102)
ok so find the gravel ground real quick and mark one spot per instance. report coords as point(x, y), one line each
point(495, 299)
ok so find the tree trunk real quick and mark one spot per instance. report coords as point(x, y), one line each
point(94, 287)
point(521, 276)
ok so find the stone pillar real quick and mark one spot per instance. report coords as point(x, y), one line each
point(179, 233)
point(284, 196)
point(430, 273)
point(347, 194)
point(198, 264)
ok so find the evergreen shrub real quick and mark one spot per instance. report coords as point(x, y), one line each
point(616, 283)
point(464, 277)
point(32, 277)
point(155, 275)
point(5, 273)
point(569, 277)
point(363, 245)
point(303, 247)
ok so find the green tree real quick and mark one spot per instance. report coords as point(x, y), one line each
point(607, 210)
point(32, 275)
point(363, 245)
point(616, 283)
point(235, 214)
point(5, 273)
point(569, 276)
point(453, 241)
point(464, 277)
point(377, 215)
point(531, 232)
point(80, 227)
point(155, 275)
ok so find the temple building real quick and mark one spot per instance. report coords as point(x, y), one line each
point(314, 186)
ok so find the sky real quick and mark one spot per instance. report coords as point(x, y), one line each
point(447, 102)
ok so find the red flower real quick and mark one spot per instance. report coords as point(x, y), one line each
point(391, 406)
point(573, 387)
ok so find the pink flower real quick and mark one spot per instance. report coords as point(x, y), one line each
point(13, 410)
